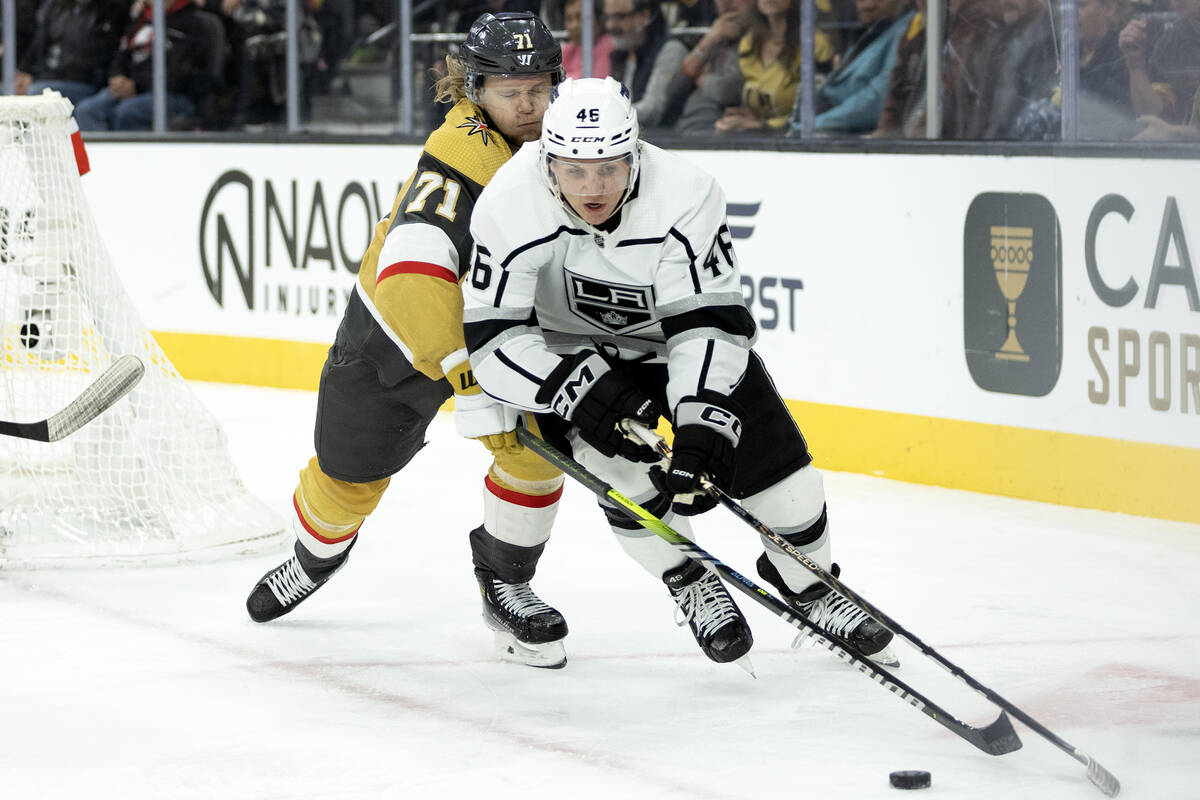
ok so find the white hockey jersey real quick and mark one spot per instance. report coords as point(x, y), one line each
point(663, 286)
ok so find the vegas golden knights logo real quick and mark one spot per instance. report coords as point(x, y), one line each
point(1012, 293)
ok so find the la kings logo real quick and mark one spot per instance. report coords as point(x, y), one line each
point(616, 307)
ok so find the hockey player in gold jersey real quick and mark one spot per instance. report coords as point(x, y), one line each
point(399, 355)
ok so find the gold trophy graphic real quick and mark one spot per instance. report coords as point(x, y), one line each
point(1012, 257)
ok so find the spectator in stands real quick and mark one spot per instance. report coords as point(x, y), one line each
point(689, 13)
point(126, 103)
point(710, 76)
point(1104, 110)
point(839, 20)
point(852, 97)
point(1102, 71)
point(974, 33)
point(1163, 58)
point(335, 20)
point(903, 114)
point(1026, 68)
point(572, 49)
point(260, 47)
point(73, 43)
point(643, 57)
point(769, 57)
point(1159, 130)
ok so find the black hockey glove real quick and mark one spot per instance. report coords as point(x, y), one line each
point(586, 392)
point(707, 430)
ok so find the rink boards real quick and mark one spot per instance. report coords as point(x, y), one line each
point(1022, 326)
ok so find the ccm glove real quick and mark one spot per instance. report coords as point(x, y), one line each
point(707, 431)
point(478, 416)
point(586, 392)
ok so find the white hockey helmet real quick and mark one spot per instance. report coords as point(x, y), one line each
point(590, 119)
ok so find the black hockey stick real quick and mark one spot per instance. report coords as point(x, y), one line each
point(110, 387)
point(995, 739)
point(1104, 780)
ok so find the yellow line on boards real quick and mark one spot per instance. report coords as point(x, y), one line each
point(1061, 468)
point(239, 359)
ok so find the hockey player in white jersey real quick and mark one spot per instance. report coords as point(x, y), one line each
point(604, 287)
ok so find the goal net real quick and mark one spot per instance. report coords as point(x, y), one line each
point(150, 479)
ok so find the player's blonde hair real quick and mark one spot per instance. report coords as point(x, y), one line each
point(451, 87)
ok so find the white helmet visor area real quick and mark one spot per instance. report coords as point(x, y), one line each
point(591, 177)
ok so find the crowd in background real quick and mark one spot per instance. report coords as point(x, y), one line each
point(695, 67)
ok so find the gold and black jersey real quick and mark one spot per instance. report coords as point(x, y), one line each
point(409, 276)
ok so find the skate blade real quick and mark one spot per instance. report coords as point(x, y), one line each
point(745, 663)
point(549, 655)
point(884, 657)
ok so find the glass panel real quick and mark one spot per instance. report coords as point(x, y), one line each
point(728, 72)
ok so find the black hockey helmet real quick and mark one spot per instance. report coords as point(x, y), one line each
point(509, 43)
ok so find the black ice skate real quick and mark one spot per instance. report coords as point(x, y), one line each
point(834, 614)
point(292, 582)
point(716, 622)
point(527, 630)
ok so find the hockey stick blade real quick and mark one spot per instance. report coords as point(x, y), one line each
point(1104, 780)
point(996, 738)
point(110, 387)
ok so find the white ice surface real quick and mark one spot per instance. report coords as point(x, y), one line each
point(153, 683)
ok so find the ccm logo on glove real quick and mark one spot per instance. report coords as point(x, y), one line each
point(586, 391)
point(577, 384)
point(692, 412)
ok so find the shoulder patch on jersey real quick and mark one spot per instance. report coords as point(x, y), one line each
point(466, 143)
point(475, 125)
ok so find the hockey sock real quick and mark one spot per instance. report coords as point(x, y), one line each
point(329, 511)
point(520, 510)
point(518, 515)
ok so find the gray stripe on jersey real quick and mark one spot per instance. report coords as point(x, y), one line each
point(487, 313)
point(705, 300)
point(479, 354)
point(708, 333)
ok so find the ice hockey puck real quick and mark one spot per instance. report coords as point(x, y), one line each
point(911, 779)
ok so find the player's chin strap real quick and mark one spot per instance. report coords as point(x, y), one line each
point(996, 738)
point(1104, 780)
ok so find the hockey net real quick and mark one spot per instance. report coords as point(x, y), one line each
point(150, 479)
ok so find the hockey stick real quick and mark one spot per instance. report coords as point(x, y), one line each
point(1104, 780)
point(995, 739)
point(110, 387)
